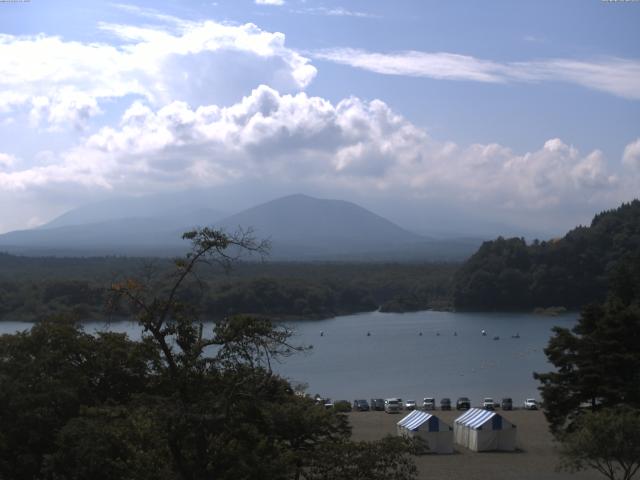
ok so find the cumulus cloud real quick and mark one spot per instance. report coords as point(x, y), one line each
point(631, 156)
point(6, 160)
point(65, 82)
point(270, 2)
point(616, 76)
point(352, 146)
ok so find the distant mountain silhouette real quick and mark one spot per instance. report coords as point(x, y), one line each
point(299, 224)
point(147, 226)
point(300, 228)
point(173, 210)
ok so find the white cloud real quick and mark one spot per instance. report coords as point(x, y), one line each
point(617, 76)
point(6, 160)
point(270, 2)
point(335, 12)
point(66, 82)
point(417, 64)
point(631, 156)
point(351, 146)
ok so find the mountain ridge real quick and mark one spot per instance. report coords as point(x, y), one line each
point(300, 227)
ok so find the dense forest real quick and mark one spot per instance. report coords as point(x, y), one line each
point(504, 274)
point(167, 407)
point(34, 288)
point(509, 274)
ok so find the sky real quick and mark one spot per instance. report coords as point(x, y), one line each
point(523, 116)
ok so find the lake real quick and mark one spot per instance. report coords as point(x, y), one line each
point(450, 359)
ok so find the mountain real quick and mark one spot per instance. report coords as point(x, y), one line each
point(301, 224)
point(299, 227)
point(174, 210)
point(110, 228)
point(509, 274)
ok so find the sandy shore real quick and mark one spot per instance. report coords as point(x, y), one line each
point(535, 459)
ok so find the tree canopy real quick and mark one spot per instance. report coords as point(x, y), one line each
point(34, 288)
point(597, 361)
point(607, 441)
point(179, 404)
point(509, 274)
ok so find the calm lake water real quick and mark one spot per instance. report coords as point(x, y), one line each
point(395, 360)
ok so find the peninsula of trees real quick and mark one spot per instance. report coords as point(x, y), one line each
point(509, 274)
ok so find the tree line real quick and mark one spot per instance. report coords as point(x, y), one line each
point(509, 274)
point(32, 288)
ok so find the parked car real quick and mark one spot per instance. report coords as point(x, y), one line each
point(392, 405)
point(445, 404)
point(410, 405)
point(429, 403)
point(361, 405)
point(530, 404)
point(328, 404)
point(488, 404)
point(506, 404)
point(377, 404)
point(463, 403)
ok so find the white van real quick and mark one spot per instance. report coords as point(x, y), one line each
point(392, 405)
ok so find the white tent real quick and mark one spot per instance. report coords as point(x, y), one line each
point(438, 435)
point(482, 430)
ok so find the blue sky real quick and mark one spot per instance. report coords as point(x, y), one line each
point(524, 114)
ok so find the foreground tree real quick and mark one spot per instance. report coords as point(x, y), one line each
point(387, 459)
point(49, 375)
point(607, 441)
point(180, 404)
point(224, 412)
point(598, 361)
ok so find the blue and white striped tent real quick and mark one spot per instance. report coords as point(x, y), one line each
point(437, 434)
point(482, 430)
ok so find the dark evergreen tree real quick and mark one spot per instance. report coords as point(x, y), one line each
point(598, 361)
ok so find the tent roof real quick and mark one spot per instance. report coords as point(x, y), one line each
point(414, 420)
point(475, 418)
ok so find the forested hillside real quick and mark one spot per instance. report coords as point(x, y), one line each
point(509, 274)
point(34, 288)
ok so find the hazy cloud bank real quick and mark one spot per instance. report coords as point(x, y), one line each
point(207, 104)
point(353, 146)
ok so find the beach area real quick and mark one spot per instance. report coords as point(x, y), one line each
point(536, 457)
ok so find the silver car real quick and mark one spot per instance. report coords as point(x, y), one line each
point(392, 405)
point(429, 403)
